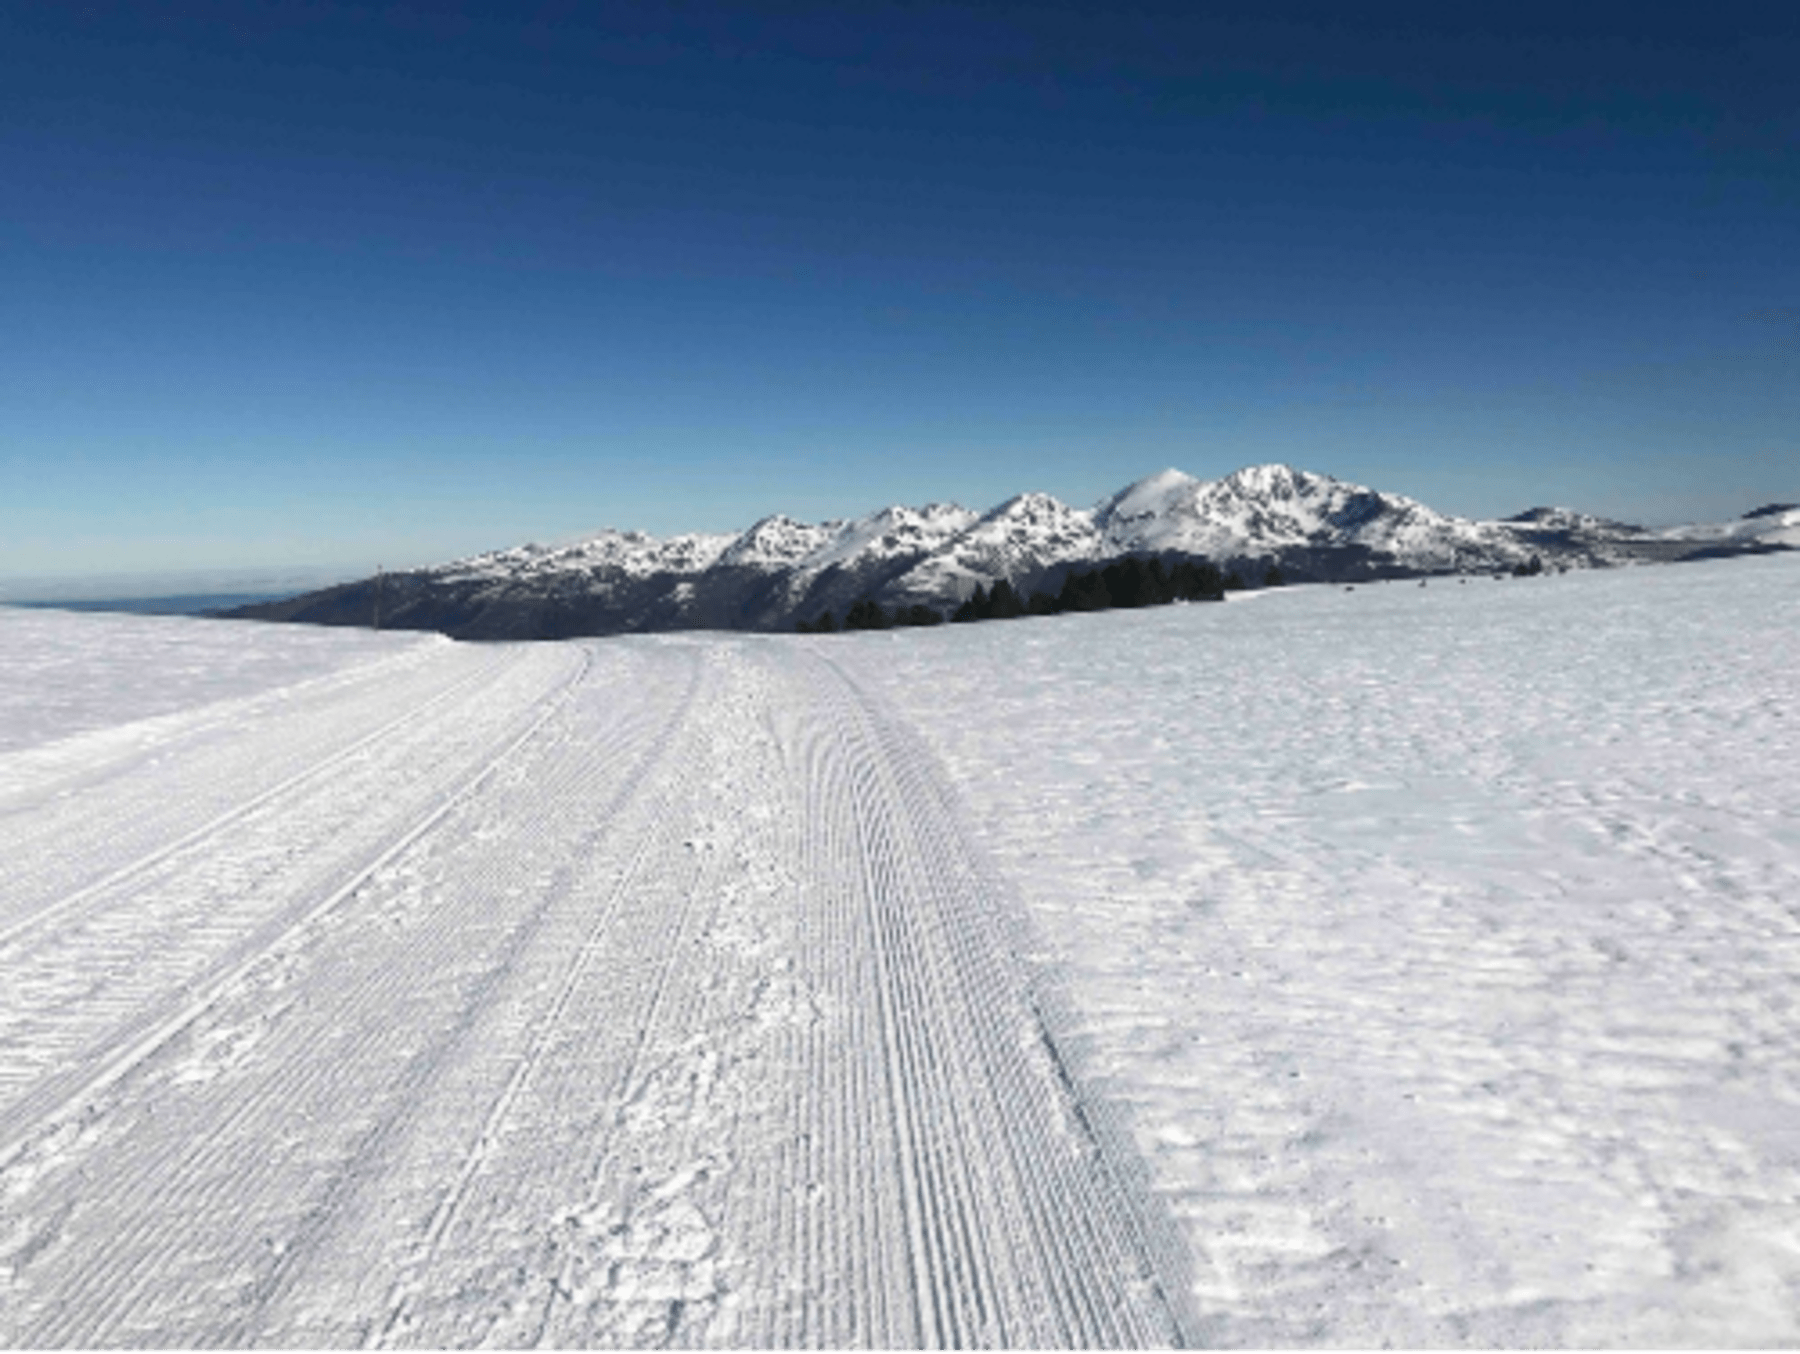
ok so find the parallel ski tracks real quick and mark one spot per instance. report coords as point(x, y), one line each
point(1017, 1228)
point(224, 1161)
point(548, 1026)
point(58, 908)
point(690, 1018)
point(187, 774)
point(1094, 1252)
point(579, 844)
point(150, 1027)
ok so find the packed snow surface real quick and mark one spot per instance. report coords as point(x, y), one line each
point(1441, 944)
point(630, 993)
point(64, 673)
point(1411, 964)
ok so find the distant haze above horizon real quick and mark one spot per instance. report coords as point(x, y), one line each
point(295, 289)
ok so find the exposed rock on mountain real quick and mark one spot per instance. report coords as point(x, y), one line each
point(781, 571)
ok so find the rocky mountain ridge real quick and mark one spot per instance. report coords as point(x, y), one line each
point(780, 571)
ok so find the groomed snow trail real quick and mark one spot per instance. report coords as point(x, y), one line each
point(632, 993)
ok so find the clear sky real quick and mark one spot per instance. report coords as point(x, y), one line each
point(332, 284)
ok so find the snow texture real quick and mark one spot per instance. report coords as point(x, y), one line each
point(1410, 964)
point(1441, 943)
point(639, 993)
point(63, 673)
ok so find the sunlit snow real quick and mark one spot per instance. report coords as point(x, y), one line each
point(1443, 941)
point(1406, 963)
point(64, 672)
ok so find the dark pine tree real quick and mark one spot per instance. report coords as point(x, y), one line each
point(1121, 587)
point(1084, 592)
point(1197, 581)
point(1004, 603)
point(867, 615)
point(1068, 597)
point(1130, 583)
point(1161, 594)
point(975, 609)
point(1274, 578)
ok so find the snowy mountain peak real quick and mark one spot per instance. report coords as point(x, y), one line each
point(634, 553)
point(781, 570)
point(892, 532)
point(1566, 519)
point(1152, 494)
point(1029, 507)
point(1276, 481)
point(1026, 526)
point(1023, 536)
point(778, 540)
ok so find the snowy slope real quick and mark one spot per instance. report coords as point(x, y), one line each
point(633, 554)
point(1019, 539)
point(1439, 942)
point(1410, 964)
point(1777, 528)
point(883, 541)
point(1262, 511)
point(66, 673)
point(644, 993)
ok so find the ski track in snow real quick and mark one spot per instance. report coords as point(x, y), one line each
point(627, 993)
point(1440, 944)
point(1410, 965)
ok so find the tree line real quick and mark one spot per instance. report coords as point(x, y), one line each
point(1129, 582)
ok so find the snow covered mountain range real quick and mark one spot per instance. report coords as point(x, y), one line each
point(780, 571)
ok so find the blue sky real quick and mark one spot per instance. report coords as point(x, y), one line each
point(313, 284)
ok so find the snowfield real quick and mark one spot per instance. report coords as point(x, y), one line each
point(1411, 964)
point(1441, 944)
point(603, 993)
point(64, 673)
